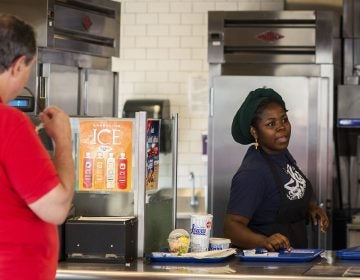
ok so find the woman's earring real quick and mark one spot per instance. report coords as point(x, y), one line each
point(256, 144)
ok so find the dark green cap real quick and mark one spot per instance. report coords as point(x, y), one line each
point(240, 128)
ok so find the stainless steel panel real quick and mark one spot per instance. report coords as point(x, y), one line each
point(262, 16)
point(274, 36)
point(268, 69)
point(101, 22)
point(349, 72)
point(328, 266)
point(328, 42)
point(34, 12)
point(80, 60)
point(61, 87)
point(89, 32)
point(86, 28)
point(348, 102)
point(78, 83)
point(351, 24)
point(99, 93)
point(139, 179)
point(248, 36)
point(265, 57)
point(310, 133)
point(114, 204)
point(174, 167)
point(80, 26)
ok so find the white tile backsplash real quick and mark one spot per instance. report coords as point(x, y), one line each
point(169, 19)
point(201, 7)
point(226, 6)
point(134, 6)
point(158, 53)
point(180, 7)
point(180, 30)
point(146, 65)
point(159, 7)
point(177, 53)
point(146, 42)
point(148, 18)
point(169, 42)
point(163, 43)
point(158, 30)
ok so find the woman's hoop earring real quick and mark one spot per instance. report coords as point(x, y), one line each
point(256, 144)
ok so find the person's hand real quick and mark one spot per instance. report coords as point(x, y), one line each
point(319, 214)
point(276, 242)
point(57, 124)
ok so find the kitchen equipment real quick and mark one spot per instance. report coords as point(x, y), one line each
point(347, 195)
point(155, 109)
point(101, 239)
point(296, 54)
point(24, 103)
point(76, 40)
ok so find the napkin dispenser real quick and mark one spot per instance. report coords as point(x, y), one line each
point(101, 239)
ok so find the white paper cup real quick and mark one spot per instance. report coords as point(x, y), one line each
point(200, 232)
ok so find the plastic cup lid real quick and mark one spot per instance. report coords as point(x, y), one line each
point(218, 240)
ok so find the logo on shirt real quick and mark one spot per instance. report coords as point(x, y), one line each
point(295, 188)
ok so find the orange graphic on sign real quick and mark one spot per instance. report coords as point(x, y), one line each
point(105, 155)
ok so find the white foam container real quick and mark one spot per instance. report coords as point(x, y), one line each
point(217, 243)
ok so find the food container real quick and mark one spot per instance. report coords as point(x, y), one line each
point(179, 241)
point(217, 243)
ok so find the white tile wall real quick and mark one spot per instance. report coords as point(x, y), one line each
point(163, 49)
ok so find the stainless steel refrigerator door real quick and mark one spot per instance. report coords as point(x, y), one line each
point(79, 92)
point(308, 101)
point(98, 93)
point(60, 87)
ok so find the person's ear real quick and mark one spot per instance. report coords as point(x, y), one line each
point(253, 132)
point(18, 66)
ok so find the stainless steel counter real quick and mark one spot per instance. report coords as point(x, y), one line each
point(322, 267)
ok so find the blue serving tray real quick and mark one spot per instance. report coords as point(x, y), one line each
point(352, 253)
point(295, 255)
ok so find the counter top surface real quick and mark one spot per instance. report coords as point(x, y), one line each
point(323, 267)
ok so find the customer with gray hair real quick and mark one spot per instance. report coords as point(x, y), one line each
point(35, 192)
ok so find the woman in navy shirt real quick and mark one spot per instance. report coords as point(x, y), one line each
point(270, 198)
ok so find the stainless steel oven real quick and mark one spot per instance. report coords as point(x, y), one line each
point(297, 54)
point(76, 42)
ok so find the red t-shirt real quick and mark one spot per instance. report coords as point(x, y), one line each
point(28, 245)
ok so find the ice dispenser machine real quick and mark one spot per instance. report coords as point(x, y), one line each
point(108, 223)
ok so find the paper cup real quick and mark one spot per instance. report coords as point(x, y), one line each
point(200, 232)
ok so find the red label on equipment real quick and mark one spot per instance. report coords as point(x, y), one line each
point(86, 22)
point(269, 36)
